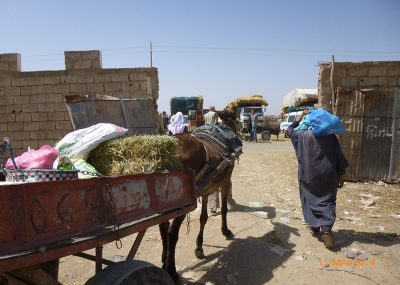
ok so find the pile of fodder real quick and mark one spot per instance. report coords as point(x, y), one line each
point(136, 154)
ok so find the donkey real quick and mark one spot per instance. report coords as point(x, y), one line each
point(213, 172)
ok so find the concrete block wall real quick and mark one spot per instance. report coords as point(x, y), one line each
point(356, 75)
point(365, 93)
point(32, 104)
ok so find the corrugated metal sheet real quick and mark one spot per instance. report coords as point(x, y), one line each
point(368, 143)
point(138, 115)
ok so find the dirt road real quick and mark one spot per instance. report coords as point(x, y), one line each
point(271, 242)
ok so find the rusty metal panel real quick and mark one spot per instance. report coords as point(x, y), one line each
point(138, 115)
point(46, 213)
point(368, 118)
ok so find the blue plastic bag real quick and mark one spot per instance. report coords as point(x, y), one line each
point(321, 123)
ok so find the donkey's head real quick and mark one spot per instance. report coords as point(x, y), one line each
point(228, 117)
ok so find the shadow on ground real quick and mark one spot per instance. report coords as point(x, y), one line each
point(249, 261)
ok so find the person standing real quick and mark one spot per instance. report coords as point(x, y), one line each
point(254, 122)
point(165, 121)
point(211, 117)
point(321, 169)
point(177, 124)
point(213, 199)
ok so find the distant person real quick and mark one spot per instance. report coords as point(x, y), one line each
point(254, 123)
point(177, 124)
point(211, 117)
point(321, 168)
point(165, 120)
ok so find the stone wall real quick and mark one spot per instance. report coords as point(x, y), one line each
point(32, 104)
point(366, 97)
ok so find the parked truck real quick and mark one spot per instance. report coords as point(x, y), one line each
point(267, 125)
point(191, 108)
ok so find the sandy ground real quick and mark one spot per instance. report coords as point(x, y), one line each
point(272, 244)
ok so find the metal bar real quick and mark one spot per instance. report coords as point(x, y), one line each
point(14, 262)
point(135, 245)
point(99, 258)
point(124, 112)
point(93, 258)
point(394, 134)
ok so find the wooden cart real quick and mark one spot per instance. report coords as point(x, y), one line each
point(42, 222)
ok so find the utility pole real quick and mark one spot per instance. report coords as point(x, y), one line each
point(151, 55)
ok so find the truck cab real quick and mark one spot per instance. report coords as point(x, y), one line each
point(287, 120)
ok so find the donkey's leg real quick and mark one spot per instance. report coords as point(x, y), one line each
point(203, 220)
point(225, 189)
point(173, 236)
point(164, 237)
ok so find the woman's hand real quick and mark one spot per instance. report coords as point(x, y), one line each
point(341, 181)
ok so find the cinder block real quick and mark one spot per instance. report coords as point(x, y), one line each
point(31, 126)
point(46, 107)
point(63, 125)
point(4, 66)
point(119, 77)
point(14, 127)
point(22, 135)
point(62, 89)
point(12, 59)
point(139, 75)
point(3, 128)
point(38, 135)
point(47, 142)
point(55, 134)
point(31, 144)
point(357, 71)
point(85, 78)
point(46, 126)
point(377, 71)
point(23, 117)
point(6, 100)
point(12, 91)
point(60, 107)
point(28, 90)
point(111, 87)
point(2, 91)
point(56, 116)
point(102, 78)
point(29, 108)
point(21, 100)
point(392, 81)
point(78, 88)
point(39, 117)
point(349, 82)
point(51, 80)
point(368, 81)
point(7, 134)
point(54, 98)
point(38, 98)
point(44, 89)
point(83, 64)
point(7, 118)
point(70, 78)
point(18, 82)
point(128, 86)
point(37, 80)
point(5, 82)
point(95, 87)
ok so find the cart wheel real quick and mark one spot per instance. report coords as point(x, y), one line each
point(131, 272)
point(265, 135)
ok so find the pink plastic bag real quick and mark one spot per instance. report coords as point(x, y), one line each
point(42, 158)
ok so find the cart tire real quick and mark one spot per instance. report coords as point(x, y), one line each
point(265, 135)
point(131, 272)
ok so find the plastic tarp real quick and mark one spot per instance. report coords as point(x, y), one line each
point(185, 104)
point(298, 96)
point(255, 100)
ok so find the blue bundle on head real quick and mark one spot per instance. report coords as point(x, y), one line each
point(321, 123)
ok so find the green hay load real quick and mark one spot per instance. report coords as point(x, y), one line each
point(137, 154)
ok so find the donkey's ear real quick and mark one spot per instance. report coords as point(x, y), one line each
point(227, 113)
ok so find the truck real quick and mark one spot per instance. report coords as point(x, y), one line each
point(267, 125)
point(191, 108)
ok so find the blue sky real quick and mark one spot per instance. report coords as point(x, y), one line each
point(218, 49)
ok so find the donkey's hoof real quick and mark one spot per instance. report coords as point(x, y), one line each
point(175, 277)
point(199, 253)
point(229, 235)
